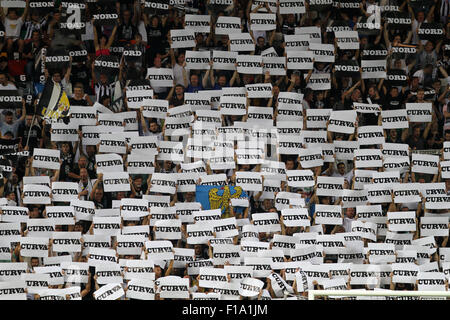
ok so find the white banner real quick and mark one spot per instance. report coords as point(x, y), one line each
point(111, 291)
point(368, 158)
point(160, 77)
point(259, 90)
point(401, 221)
point(300, 60)
point(155, 108)
point(34, 246)
point(266, 222)
point(347, 40)
point(197, 60)
point(330, 186)
point(66, 241)
point(46, 158)
point(373, 69)
point(342, 121)
point(182, 38)
point(317, 118)
point(424, 163)
point(263, 21)
point(300, 178)
point(198, 23)
point(395, 119)
point(249, 64)
point(434, 226)
point(36, 194)
point(227, 25)
point(328, 214)
point(368, 135)
point(419, 112)
point(249, 181)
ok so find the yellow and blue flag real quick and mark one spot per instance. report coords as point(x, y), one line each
point(218, 197)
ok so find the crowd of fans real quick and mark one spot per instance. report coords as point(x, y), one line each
point(28, 33)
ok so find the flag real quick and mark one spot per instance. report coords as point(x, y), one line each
point(218, 197)
point(8, 146)
point(54, 103)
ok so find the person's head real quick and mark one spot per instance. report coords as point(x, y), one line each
point(103, 40)
point(356, 94)
point(198, 249)
point(168, 165)
point(35, 262)
point(199, 38)
point(179, 89)
point(105, 100)
point(420, 16)
point(78, 91)
point(290, 164)
point(273, 209)
point(429, 46)
point(155, 21)
point(14, 178)
point(138, 38)
point(12, 14)
point(65, 148)
point(420, 94)
point(3, 78)
point(120, 195)
point(11, 196)
point(341, 168)
point(194, 80)
point(416, 131)
point(78, 227)
point(393, 133)
point(8, 117)
point(397, 64)
point(84, 175)
point(189, 196)
point(57, 77)
point(137, 182)
point(98, 194)
point(153, 127)
point(267, 204)
point(35, 17)
point(350, 213)
point(157, 63)
point(372, 91)
point(35, 36)
point(82, 162)
point(447, 135)
point(261, 42)
point(103, 78)
point(222, 80)
point(181, 58)
point(28, 120)
point(437, 86)
point(91, 150)
point(394, 92)
point(127, 16)
point(290, 18)
point(397, 40)
point(415, 82)
point(319, 95)
point(325, 200)
point(34, 212)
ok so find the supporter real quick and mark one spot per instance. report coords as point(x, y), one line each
point(348, 150)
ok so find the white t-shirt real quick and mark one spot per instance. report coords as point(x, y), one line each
point(9, 86)
point(12, 27)
point(178, 74)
